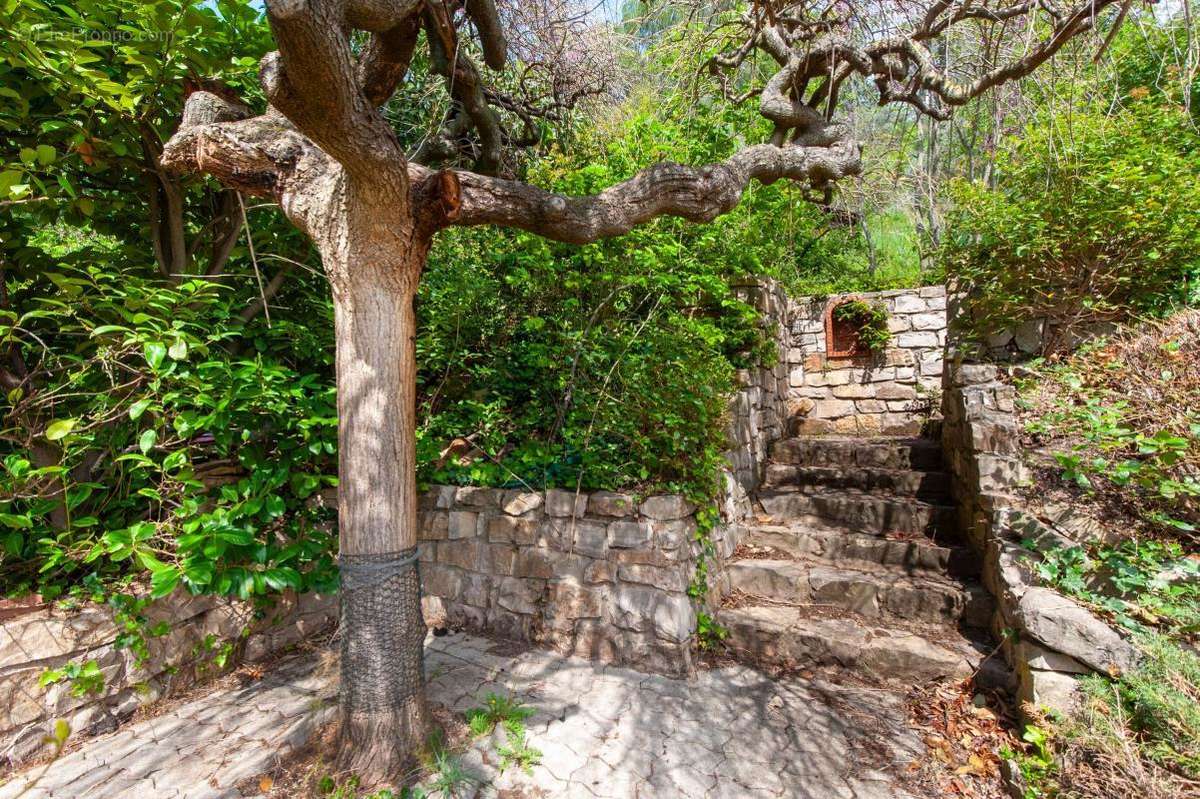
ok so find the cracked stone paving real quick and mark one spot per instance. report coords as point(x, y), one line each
point(602, 731)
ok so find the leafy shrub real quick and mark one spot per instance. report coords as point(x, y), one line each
point(1093, 220)
point(132, 408)
point(1146, 585)
point(608, 365)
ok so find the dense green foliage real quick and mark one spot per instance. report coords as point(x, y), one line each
point(145, 402)
point(1143, 586)
point(1093, 220)
point(157, 424)
point(148, 426)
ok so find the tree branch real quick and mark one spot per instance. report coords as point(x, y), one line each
point(385, 60)
point(312, 81)
point(698, 194)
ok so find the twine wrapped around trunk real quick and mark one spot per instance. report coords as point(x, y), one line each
point(383, 631)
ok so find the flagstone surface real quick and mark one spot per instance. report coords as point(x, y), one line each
point(602, 731)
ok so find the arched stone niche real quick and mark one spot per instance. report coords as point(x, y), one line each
point(841, 336)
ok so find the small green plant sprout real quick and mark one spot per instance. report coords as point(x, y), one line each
point(517, 752)
point(329, 787)
point(1036, 761)
point(871, 321)
point(709, 632)
point(58, 736)
point(85, 678)
point(449, 778)
point(498, 710)
point(211, 652)
point(509, 714)
point(56, 739)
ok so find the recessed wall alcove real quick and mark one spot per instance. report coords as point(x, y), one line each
point(841, 335)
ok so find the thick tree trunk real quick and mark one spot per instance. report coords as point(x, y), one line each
point(384, 717)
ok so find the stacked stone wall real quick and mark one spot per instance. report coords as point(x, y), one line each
point(893, 392)
point(758, 412)
point(1048, 639)
point(49, 638)
point(599, 575)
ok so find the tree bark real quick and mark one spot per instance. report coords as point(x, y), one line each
point(385, 721)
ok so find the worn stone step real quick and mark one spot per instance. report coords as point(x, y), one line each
point(795, 638)
point(871, 594)
point(879, 453)
point(913, 554)
point(858, 511)
point(899, 482)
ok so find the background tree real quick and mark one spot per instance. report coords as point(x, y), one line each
point(327, 153)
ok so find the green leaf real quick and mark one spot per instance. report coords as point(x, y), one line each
point(102, 329)
point(155, 352)
point(275, 506)
point(138, 408)
point(45, 154)
point(163, 582)
point(62, 730)
point(178, 350)
point(28, 155)
point(13, 543)
point(16, 522)
point(151, 563)
point(60, 428)
point(8, 179)
point(147, 440)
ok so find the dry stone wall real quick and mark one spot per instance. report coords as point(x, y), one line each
point(758, 416)
point(49, 638)
point(758, 412)
point(889, 393)
point(1049, 640)
point(598, 575)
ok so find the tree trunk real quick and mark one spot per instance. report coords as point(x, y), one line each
point(384, 717)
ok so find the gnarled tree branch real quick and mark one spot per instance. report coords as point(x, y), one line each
point(698, 194)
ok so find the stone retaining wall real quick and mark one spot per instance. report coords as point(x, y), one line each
point(49, 638)
point(758, 417)
point(1049, 640)
point(889, 393)
point(758, 412)
point(599, 575)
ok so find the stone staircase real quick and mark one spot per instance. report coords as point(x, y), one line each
point(852, 562)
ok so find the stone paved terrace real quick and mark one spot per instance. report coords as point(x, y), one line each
point(603, 731)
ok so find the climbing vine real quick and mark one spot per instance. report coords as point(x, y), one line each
point(870, 320)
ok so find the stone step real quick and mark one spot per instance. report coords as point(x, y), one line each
point(915, 554)
point(870, 594)
point(858, 511)
point(880, 453)
point(897, 482)
point(796, 638)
